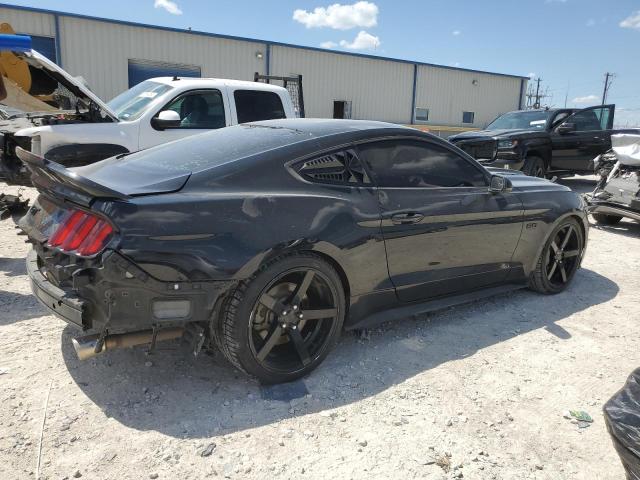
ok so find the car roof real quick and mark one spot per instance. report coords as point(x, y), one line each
point(321, 127)
point(195, 82)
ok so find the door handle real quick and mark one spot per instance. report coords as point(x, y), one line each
point(406, 218)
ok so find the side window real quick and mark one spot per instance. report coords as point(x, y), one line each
point(592, 119)
point(412, 163)
point(199, 110)
point(341, 167)
point(256, 105)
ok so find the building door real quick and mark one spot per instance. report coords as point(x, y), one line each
point(141, 70)
point(342, 109)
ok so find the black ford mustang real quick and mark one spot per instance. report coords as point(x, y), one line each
point(267, 239)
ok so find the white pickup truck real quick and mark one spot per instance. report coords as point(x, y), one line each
point(53, 114)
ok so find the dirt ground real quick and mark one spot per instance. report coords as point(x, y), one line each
point(476, 391)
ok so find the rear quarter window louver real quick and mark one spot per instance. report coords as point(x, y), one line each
point(342, 168)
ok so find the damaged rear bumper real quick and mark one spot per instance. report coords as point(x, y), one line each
point(119, 297)
point(63, 305)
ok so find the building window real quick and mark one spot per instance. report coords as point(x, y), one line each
point(44, 45)
point(141, 70)
point(342, 109)
point(468, 117)
point(422, 114)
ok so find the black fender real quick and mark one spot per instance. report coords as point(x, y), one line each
point(537, 148)
point(79, 154)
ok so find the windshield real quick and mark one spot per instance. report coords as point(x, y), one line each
point(27, 87)
point(132, 103)
point(533, 120)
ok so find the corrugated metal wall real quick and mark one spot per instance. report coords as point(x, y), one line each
point(448, 92)
point(378, 89)
point(99, 51)
point(33, 23)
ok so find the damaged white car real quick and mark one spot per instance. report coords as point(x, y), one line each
point(617, 194)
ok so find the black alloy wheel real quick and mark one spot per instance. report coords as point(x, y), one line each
point(292, 320)
point(560, 258)
point(563, 255)
point(282, 323)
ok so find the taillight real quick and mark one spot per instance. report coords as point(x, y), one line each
point(82, 233)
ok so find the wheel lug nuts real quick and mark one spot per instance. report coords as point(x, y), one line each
point(300, 316)
point(293, 327)
point(295, 307)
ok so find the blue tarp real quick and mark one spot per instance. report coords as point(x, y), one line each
point(16, 43)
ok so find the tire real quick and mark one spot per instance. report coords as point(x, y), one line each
point(534, 167)
point(606, 219)
point(559, 260)
point(271, 313)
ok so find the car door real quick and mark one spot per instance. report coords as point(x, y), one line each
point(444, 232)
point(199, 110)
point(581, 137)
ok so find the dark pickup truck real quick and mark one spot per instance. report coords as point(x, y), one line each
point(553, 142)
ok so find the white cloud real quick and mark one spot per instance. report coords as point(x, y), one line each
point(456, 33)
point(456, 64)
point(632, 21)
point(532, 75)
point(328, 44)
point(363, 41)
point(169, 6)
point(586, 99)
point(339, 17)
point(591, 22)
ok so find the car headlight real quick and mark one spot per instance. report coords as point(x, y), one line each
point(507, 143)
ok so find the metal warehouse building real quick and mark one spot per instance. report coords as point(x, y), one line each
point(114, 55)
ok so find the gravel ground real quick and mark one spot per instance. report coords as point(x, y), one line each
point(476, 391)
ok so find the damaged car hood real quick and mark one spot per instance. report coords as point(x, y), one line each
point(36, 87)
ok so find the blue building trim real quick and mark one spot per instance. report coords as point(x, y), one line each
point(413, 96)
point(56, 21)
point(268, 59)
point(245, 39)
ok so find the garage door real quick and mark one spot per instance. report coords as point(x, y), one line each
point(44, 45)
point(140, 70)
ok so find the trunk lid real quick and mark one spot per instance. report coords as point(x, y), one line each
point(108, 179)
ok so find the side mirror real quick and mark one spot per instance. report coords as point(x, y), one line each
point(500, 184)
point(166, 119)
point(566, 128)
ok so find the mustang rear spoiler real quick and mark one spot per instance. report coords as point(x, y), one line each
point(49, 175)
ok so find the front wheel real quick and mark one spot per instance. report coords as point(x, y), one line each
point(282, 323)
point(534, 167)
point(559, 260)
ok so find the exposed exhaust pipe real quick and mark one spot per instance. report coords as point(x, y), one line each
point(85, 347)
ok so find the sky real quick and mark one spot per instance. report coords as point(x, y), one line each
point(570, 44)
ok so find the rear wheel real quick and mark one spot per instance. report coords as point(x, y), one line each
point(534, 167)
point(606, 219)
point(281, 324)
point(559, 260)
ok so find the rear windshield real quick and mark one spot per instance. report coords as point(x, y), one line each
point(212, 149)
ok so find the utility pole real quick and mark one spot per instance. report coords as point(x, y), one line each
point(534, 100)
point(608, 77)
